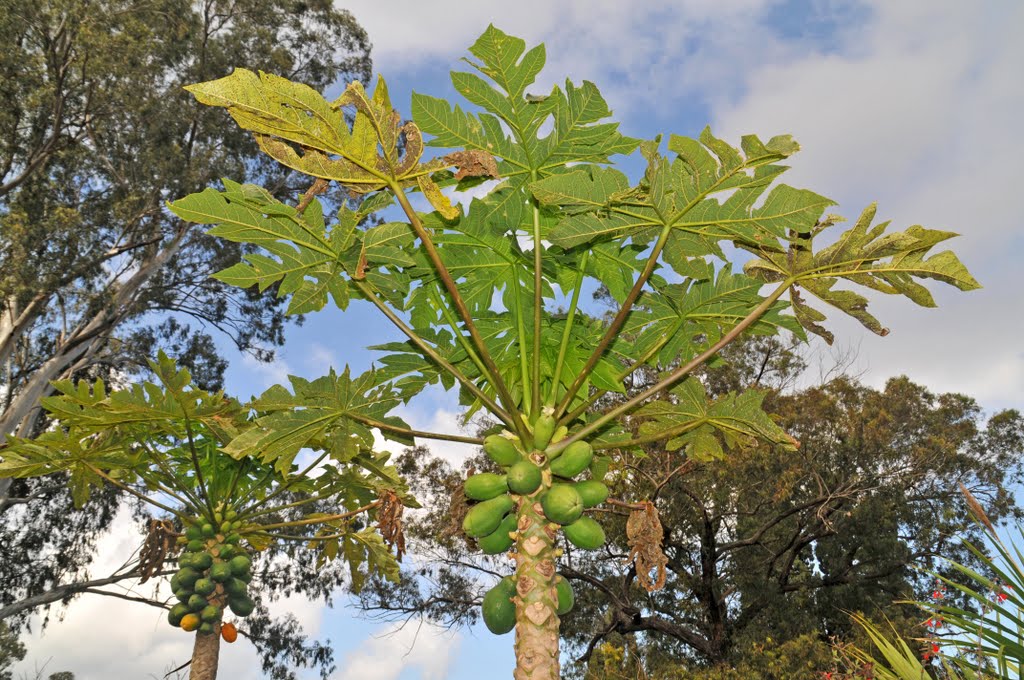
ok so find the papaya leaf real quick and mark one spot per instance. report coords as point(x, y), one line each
point(864, 255)
point(334, 413)
point(737, 418)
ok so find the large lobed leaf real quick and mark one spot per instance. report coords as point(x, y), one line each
point(864, 255)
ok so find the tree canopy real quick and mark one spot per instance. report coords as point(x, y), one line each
point(766, 549)
point(95, 274)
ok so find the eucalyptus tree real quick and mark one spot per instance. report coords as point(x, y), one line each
point(95, 133)
point(473, 291)
point(182, 452)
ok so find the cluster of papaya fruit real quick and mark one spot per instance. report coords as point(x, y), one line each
point(214, 571)
point(551, 475)
point(492, 522)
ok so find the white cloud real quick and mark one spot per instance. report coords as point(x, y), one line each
point(919, 112)
point(434, 410)
point(385, 656)
point(107, 637)
point(633, 51)
point(260, 375)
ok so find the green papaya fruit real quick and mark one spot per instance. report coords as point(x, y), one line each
point(225, 527)
point(574, 460)
point(208, 530)
point(196, 546)
point(543, 429)
point(483, 518)
point(229, 551)
point(196, 602)
point(206, 629)
point(501, 450)
point(499, 541)
point(562, 504)
point(220, 572)
point(241, 605)
point(177, 613)
point(183, 594)
point(592, 492)
point(599, 467)
point(566, 598)
point(232, 539)
point(498, 608)
point(485, 486)
point(210, 613)
point(240, 564)
point(175, 583)
point(231, 515)
point(236, 587)
point(193, 533)
point(205, 586)
point(523, 478)
point(187, 577)
point(585, 534)
point(202, 560)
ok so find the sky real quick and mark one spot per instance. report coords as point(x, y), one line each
point(913, 104)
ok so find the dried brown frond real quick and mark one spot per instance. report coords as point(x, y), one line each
point(644, 535)
point(389, 522)
point(473, 163)
point(159, 543)
point(975, 508)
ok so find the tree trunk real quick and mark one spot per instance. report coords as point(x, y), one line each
point(205, 655)
point(537, 601)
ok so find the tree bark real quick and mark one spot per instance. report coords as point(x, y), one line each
point(205, 655)
point(537, 598)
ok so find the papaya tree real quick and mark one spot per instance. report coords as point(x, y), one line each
point(488, 297)
point(182, 452)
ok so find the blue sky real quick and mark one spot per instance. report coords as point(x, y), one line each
point(915, 104)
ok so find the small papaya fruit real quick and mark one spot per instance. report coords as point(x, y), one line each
point(220, 573)
point(190, 622)
point(241, 605)
point(543, 430)
point(592, 492)
point(523, 478)
point(501, 450)
point(484, 518)
point(562, 504)
point(210, 613)
point(498, 608)
point(240, 564)
point(574, 460)
point(585, 533)
point(566, 597)
point(177, 613)
point(499, 541)
point(485, 486)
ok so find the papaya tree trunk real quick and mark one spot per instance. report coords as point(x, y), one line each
point(537, 598)
point(205, 655)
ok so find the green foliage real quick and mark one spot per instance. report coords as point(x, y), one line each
point(475, 291)
point(170, 440)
